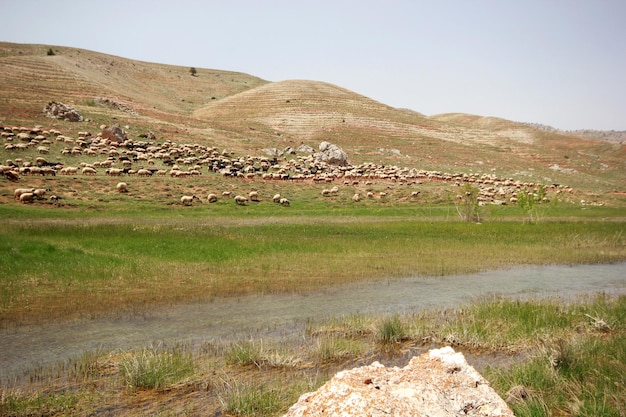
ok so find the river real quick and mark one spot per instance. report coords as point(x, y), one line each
point(29, 347)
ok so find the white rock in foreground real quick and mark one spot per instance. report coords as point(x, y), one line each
point(437, 383)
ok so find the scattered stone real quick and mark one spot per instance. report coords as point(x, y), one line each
point(62, 111)
point(305, 149)
point(437, 383)
point(114, 104)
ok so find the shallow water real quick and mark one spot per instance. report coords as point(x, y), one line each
point(29, 347)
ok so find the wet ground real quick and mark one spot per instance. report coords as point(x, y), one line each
point(28, 347)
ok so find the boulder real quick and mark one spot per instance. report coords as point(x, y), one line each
point(114, 133)
point(62, 111)
point(331, 154)
point(437, 383)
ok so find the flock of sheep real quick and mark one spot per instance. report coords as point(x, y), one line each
point(187, 200)
point(148, 158)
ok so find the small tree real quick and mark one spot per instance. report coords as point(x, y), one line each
point(467, 204)
point(50, 52)
point(528, 201)
point(193, 71)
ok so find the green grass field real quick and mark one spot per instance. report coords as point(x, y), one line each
point(55, 267)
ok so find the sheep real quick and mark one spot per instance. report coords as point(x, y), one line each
point(69, 170)
point(356, 197)
point(253, 196)
point(276, 198)
point(326, 192)
point(122, 187)
point(187, 200)
point(11, 175)
point(19, 191)
point(241, 200)
point(114, 172)
point(89, 171)
point(40, 193)
point(144, 172)
point(27, 198)
point(212, 198)
point(284, 202)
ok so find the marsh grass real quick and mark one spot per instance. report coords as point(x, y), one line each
point(153, 368)
point(581, 376)
point(391, 330)
point(14, 403)
point(62, 268)
point(570, 359)
point(332, 348)
point(268, 394)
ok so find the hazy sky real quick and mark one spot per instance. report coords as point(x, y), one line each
point(556, 62)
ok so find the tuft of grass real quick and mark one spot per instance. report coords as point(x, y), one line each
point(251, 400)
point(331, 348)
point(392, 330)
point(13, 403)
point(153, 368)
point(245, 353)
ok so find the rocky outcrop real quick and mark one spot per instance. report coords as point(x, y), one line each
point(62, 111)
point(103, 101)
point(331, 154)
point(437, 383)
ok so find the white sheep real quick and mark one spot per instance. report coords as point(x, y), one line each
point(212, 198)
point(241, 200)
point(253, 196)
point(276, 198)
point(122, 187)
point(356, 197)
point(114, 172)
point(187, 200)
point(27, 198)
point(40, 193)
point(89, 171)
point(19, 191)
point(284, 202)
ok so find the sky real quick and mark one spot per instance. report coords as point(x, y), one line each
point(560, 63)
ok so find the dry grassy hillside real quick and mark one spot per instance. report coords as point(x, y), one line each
point(247, 115)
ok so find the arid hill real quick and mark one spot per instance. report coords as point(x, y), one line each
point(246, 114)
